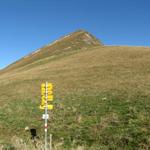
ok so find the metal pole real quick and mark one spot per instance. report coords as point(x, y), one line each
point(46, 118)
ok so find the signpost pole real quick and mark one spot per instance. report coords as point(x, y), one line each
point(46, 92)
point(47, 96)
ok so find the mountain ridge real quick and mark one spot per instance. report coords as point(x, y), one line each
point(73, 41)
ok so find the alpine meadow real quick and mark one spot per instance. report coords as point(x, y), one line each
point(101, 96)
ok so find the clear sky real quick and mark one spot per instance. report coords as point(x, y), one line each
point(26, 25)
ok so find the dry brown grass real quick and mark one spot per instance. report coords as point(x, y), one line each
point(102, 68)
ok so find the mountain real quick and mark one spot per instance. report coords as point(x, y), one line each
point(101, 95)
point(74, 41)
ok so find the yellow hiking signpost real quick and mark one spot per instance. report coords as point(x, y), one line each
point(46, 98)
point(47, 95)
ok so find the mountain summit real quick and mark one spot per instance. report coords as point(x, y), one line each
point(74, 41)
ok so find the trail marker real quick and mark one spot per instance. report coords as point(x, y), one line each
point(47, 96)
point(45, 116)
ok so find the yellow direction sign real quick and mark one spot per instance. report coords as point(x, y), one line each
point(49, 107)
point(46, 88)
point(43, 85)
point(49, 98)
point(47, 95)
point(43, 91)
point(49, 85)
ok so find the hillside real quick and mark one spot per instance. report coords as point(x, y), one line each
point(71, 42)
point(101, 94)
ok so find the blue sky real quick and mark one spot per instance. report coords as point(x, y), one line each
point(26, 25)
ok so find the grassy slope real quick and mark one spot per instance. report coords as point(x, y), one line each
point(74, 41)
point(101, 97)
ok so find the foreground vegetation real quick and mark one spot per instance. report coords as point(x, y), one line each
point(98, 121)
